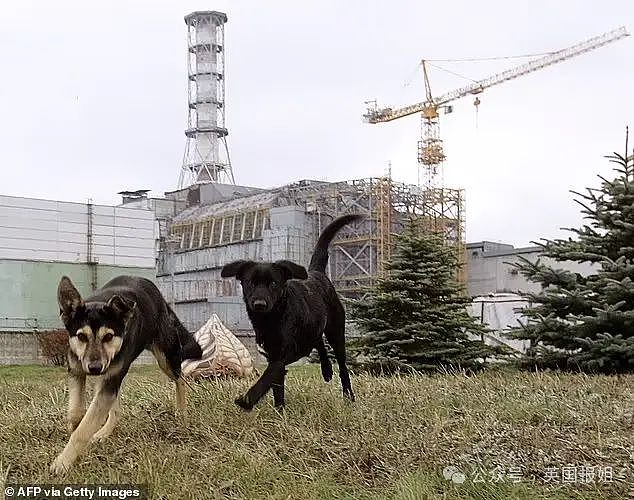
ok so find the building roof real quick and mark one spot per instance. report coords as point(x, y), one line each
point(205, 13)
point(513, 251)
point(500, 249)
point(245, 203)
point(274, 197)
point(138, 192)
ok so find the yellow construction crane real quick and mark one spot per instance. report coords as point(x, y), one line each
point(430, 148)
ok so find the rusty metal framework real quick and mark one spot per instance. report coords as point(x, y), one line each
point(384, 222)
point(362, 250)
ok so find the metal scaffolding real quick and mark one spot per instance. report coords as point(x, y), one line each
point(362, 250)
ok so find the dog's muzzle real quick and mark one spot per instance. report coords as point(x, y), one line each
point(95, 367)
point(259, 305)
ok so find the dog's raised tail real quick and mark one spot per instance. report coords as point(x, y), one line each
point(319, 259)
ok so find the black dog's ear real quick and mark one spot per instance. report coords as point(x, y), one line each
point(236, 268)
point(292, 270)
point(68, 299)
point(122, 307)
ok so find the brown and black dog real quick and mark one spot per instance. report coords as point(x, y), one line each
point(107, 332)
point(290, 310)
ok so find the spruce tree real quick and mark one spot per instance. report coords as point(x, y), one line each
point(586, 322)
point(415, 318)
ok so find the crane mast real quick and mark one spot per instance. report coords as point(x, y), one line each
point(430, 147)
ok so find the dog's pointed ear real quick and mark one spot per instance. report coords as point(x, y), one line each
point(68, 299)
point(291, 270)
point(236, 268)
point(122, 307)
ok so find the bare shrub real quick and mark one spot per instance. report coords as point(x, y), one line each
point(54, 346)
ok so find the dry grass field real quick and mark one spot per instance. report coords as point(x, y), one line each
point(507, 435)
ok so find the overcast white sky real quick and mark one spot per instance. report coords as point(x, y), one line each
point(93, 98)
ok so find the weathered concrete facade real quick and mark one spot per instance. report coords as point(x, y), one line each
point(43, 240)
point(490, 270)
point(29, 290)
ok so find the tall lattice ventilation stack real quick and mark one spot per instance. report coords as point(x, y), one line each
point(206, 157)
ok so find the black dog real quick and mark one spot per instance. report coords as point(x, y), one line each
point(107, 332)
point(290, 310)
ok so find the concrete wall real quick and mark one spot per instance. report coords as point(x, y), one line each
point(500, 312)
point(46, 230)
point(28, 301)
point(24, 349)
point(489, 268)
point(29, 289)
point(19, 349)
point(291, 235)
point(42, 240)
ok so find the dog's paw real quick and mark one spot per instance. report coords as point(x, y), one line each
point(349, 395)
point(244, 403)
point(61, 465)
point(100, 436)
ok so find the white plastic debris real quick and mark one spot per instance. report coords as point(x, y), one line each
point(223, 353)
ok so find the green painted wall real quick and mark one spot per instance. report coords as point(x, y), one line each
point(28, 289)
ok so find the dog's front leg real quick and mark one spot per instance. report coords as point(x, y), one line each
point(105, 396)
point(181, 400)
point(278, 391)
point(113, 419)
point(274, 373)
point(76, 399)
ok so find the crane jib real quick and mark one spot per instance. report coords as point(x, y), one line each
point(389, 114)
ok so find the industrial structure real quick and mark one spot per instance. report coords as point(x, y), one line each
point(218, 221)
point(183, 240)
point(491, 270)
point(43, 240)
point(283, 223)
point(430, 146)
point(206, 157)
point(493, 284)
point(431, 154)
point(222, 222)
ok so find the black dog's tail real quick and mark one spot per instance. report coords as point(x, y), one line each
point(190, 349)
point(320, 254)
